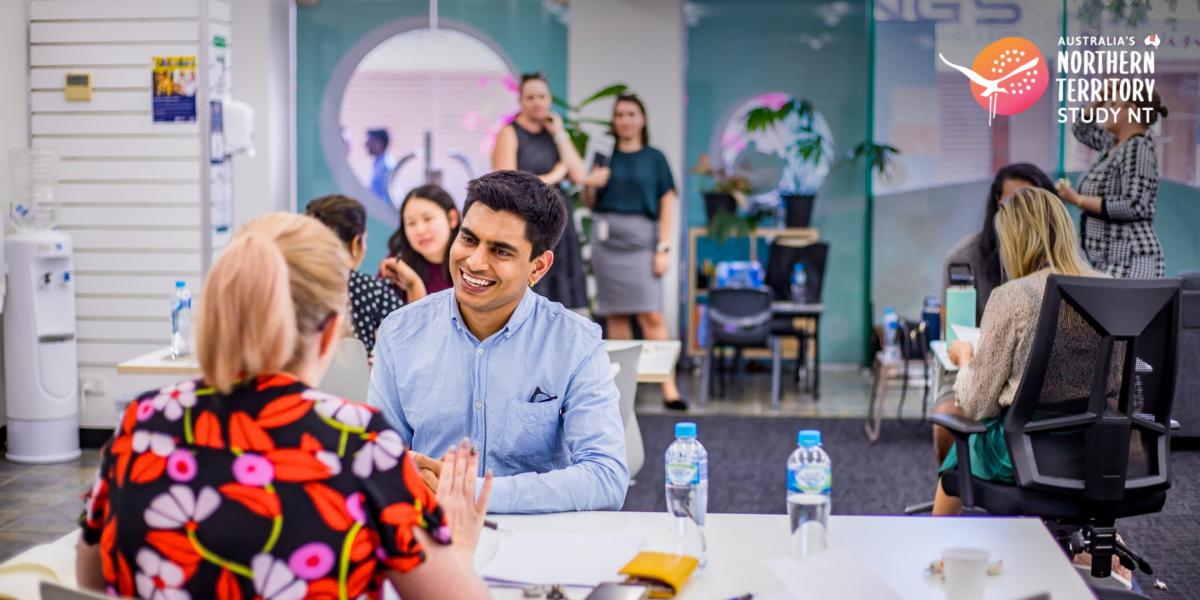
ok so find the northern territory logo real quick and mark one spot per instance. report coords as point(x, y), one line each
point(1007, 77)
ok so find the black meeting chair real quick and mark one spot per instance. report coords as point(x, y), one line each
point(780, 261)
point(1187, 390)
point(740, 317)
point(1090, 426)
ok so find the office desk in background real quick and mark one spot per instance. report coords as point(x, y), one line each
point(655, 366)
point(898, 549)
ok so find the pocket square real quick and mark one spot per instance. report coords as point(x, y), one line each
point(539, 396)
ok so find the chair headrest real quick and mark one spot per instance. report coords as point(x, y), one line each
point(1190, 280)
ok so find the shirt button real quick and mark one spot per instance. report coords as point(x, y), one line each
point(478, 405)
point(479, 351)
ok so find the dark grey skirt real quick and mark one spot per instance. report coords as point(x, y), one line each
point(623, 264)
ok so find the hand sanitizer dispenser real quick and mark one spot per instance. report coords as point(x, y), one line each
point(40, 367)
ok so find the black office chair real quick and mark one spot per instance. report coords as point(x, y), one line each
point(1187, 390)
point(1089, 429)
point(739, 318)
point(780, 261)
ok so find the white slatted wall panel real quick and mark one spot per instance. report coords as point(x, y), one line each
point(131, 189)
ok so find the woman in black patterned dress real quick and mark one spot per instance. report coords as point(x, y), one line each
point(1117, 195)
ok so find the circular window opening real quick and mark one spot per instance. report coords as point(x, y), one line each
point(780, 157)
point(415, 106)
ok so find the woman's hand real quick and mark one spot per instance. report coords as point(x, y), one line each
point(1066, 192)
point(456, 495)
point(960, 352)
point(662, 260)
point(598, 178)
point(398, 272)
point(554, 125)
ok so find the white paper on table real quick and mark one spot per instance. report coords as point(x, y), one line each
point(967, 334)
point(833, 573)
point(582, 560)
point(598, 144)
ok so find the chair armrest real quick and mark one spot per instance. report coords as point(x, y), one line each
point(1175, 425)
point(958, 424)
point(961, 428)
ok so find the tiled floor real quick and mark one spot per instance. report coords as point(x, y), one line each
point(39, 503)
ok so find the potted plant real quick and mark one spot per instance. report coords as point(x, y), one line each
point(808, 148)
point(574, 120)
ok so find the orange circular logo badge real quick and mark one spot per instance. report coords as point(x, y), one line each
point(1007, 77)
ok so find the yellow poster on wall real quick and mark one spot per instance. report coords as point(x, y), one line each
point(174, 88)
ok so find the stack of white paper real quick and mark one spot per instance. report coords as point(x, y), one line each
point(576, 560)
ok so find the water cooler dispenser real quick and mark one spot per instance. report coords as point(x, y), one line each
point(40, 366)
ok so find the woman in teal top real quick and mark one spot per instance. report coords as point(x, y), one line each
point(634, 203)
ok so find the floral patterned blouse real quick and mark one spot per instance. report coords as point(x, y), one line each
point(276, 491)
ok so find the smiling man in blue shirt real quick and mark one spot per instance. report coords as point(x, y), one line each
point(526, 380)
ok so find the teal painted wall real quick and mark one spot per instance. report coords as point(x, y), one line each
point(533, 39)
point(742, 48)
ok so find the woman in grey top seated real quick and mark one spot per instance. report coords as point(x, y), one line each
point(1037, 239)
point(981, 251)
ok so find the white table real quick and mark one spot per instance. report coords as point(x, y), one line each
point(898, 548)
point(657, 360)
point(655, 366)
point(159, 362)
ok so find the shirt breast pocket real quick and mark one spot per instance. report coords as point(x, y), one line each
point(534, 428)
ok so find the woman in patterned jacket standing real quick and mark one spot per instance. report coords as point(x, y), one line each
point(1117, 195)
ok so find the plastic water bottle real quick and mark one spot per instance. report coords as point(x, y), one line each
point(687, 491)
point(799, 284)
point(808, 494)
point(891, 334)
point(181, 320)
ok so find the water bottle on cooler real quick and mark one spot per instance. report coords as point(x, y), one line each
point(799, 284)
point(687, 491)
point(809, 488)
point(181, 320)
point(891, 334)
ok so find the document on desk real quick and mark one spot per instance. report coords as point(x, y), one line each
point(834, 573)
point(967, 334)
point(584, 560)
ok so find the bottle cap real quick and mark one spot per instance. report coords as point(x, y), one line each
point(685, 430)
point(180, 284)
point(797, 267)
point(808, 437)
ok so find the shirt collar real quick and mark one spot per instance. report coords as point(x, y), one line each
point(520, 315)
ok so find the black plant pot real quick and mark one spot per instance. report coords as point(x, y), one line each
point(718, 203)
point(798, 210)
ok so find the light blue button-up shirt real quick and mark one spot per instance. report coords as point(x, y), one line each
point(537, 398)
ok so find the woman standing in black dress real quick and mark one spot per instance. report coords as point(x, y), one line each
point(536, 142)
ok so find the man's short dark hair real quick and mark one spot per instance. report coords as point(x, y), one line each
point(381, 135)
point(524, 195)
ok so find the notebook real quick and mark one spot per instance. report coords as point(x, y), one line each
point(575, 560)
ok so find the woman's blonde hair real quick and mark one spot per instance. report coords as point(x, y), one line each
point(280, 280)
point(1036, 232)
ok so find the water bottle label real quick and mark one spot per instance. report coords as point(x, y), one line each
point(810, 479)
point(679, 473)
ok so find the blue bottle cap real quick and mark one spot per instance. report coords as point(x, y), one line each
point(685, 430)
point(797, 267)
point(808, 437)
point(180, 284)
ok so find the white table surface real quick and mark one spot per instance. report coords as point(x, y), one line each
point(159, 362)
point(898, 548)
point(657, 360)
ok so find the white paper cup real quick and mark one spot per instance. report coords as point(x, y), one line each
point(965, 570)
